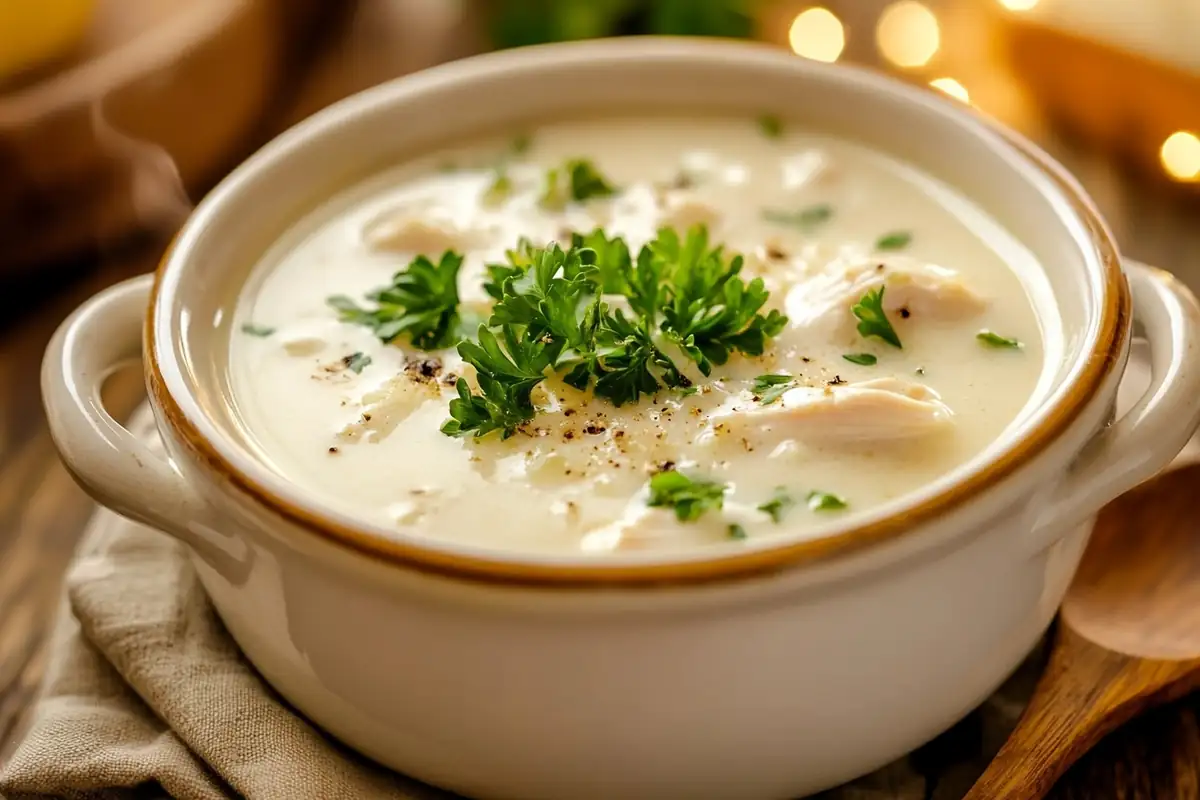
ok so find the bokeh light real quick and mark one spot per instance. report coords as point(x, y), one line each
point(952, 88)
point(908, 34)
point(1019, 5)
point(1180, 156)
point(817, 34)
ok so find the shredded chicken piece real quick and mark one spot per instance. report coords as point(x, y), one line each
point(402, 232)
point(807, 168)
point(304, 346)
point(683, 211)
point(639, 528)
point(386, 407)
point(879, 410)
point(912, 288)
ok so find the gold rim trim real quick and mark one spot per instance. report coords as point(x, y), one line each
point(1115, 326)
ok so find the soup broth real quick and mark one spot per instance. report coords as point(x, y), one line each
point(663, 406)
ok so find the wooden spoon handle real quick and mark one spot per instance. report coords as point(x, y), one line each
point(1086, 692)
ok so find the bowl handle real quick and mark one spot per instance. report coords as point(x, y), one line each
point(1148, 436)
point(112, 464)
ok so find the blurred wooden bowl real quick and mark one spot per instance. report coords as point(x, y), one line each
point(159, 96)
point(1116, 99)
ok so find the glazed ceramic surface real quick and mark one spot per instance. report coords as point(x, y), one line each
point(773, 671)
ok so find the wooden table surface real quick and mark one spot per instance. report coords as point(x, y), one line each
point(42, 512)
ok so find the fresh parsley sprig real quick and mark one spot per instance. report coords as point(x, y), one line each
point(630, 364)
point(611, 260)
point(551, 317)
point(709, 311)
point(506, 376)
point(421, 302)
point(872, 319)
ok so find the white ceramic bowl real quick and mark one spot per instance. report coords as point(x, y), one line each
point(765, 672)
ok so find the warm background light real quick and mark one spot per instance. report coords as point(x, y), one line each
point(817, 34)
point(952, 88)
point(1018, 5)
point(1180, 156)
point(908, 34)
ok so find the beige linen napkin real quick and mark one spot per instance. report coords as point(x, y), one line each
point(145, 687)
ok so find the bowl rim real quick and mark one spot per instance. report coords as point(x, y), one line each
point(170, 391)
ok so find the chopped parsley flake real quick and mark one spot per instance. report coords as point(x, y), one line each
point(583, 182)
point(735, 531)
point(896, 240)
point(498, 191)
point(421, 302)
point(690, 497)
point(769, 388)
point(863, 359)
point(872, 321)
point(357, 362)
point(779, 503)
point(995, 340)
point(771, 126)
point(257, 330)
point(824, 501)
point(806, 218)
point(520, 144)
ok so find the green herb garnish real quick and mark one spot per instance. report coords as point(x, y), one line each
point(989, 339)
point(824, 501)
point(550, 306)
point(506, 379)
point(690, 497)
point(863, 359)
point(771, 126)
point(257, 330)
point(583, 182)
point(357, 362)
point(709, 311)
point(688, 391)
point(612, 260)
point(421, 302)
point(806, 218)
point(498, 191)
point(520, 144)
point(735, 531)
point(872, 321)
point(769, 388)
point(896, 240)
point(779, 503)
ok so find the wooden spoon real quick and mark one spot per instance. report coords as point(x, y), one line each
point(1128, 636)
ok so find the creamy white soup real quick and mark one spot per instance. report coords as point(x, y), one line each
point(635, 334)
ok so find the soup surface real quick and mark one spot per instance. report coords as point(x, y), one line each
point(654, 399)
